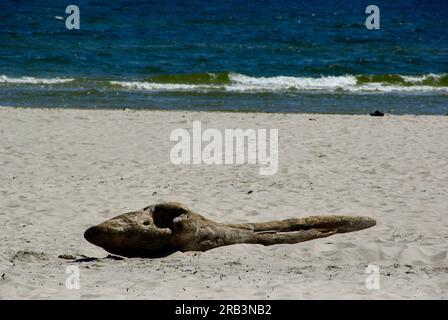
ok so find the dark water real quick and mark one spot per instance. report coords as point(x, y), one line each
point(277, 56)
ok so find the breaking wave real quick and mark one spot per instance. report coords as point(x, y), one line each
point(234, 82)
point(31, 80)
point(240, 83)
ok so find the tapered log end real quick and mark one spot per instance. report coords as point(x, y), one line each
point(343, 224)
point(368, 222)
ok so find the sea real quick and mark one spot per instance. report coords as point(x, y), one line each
point(311, 56)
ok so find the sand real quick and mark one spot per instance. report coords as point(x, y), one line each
point(64, 170)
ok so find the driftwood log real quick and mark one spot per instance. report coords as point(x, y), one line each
point(161, 229)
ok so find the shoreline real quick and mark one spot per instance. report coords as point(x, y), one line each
point(219, 111)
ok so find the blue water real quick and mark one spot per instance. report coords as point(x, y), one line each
point(275, 56)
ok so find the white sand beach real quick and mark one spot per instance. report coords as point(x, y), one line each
point(62, 171)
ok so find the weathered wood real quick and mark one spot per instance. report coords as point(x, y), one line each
point(162, 229)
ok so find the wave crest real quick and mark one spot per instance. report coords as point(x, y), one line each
point(235, 82)
point(240, 83)
point(31, 80)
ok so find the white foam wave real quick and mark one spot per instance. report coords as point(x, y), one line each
point(31, 80)
point(243, 83)
point(155, 86)
point(419, 79)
